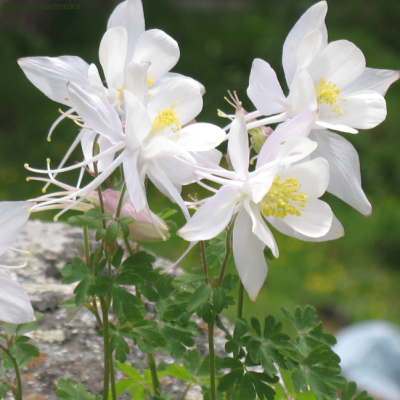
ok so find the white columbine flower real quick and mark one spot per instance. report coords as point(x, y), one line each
point(287, 196)
point(15, 307)
point(150, 142)
point(331, 78)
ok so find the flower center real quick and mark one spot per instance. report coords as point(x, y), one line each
point(328, 93)
point(165, 119)
point(283, 198)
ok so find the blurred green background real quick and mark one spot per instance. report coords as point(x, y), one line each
point(351, 279)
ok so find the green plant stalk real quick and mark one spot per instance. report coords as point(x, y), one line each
point(112, 377)
point(228, 249)
point(240, 301)
point(121, 198)
point(212, 358)
point(128, 246)
point(204, 259)
point(107, 353)
point(87, 251)
point(151, 361)
point(18, 395)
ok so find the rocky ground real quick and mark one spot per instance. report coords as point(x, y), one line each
point(72, 349)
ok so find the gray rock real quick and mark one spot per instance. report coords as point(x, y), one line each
point(73, 349)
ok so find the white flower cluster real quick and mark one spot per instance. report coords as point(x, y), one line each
point(143, 119)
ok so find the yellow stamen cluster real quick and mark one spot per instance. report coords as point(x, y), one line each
point(283, 198)
point(150, 81)
point(328, 93)
point(165, 119)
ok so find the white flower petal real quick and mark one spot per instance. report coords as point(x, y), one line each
point(248, 252)
point(302, 97)
point(200, 137)
point(265, 90)
point(294, 150)
point(336, 127)
point(312, 19)
point(96, 84)
point(136, 80)
point(312, 176)
point(163, 183)
point(162, 147)
point(260, 182)
point(51, 75)
point(340, 63)
point(174, 75)
point(13, 217)
point(134, 183)
point(112, 55)
point(378, 80)
point(299, 126)
point(129, 14)
point(15, 307)
point(138, 123)
point(259, 227)
point(97, 114)
point(238, 146)
point(308, 49)
point(345, 176)
point(212, 217)
point(160, 49)
point(315, 220)
point(363, 110)
point(336, 230)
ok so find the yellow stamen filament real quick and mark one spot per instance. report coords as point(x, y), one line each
point(328, 93)
point(121, 92)
point(283, 198)
point(165, 119)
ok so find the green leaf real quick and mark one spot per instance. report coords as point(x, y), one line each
point(29, 349)
point(75, 272)
point(166, 213)
point(127, 219)
point(81, 289)
point(179, 372)
point(112, 232)
point(125, 229)
point(28, 327)
point(148, 292)
point(192, 361)
point(125, 302)
point(257, 379)
point(84, 220)
point(102, 286)
point(120, 346)
point(299, 381)
point(216, 250)
point(117, 259)
point(100, 233)
point(178, 337)
point(199, 297)
point(128, 277)
point(219, 299)
point(232, 363)
point(67, 390)
point(229, 282)
point(228, 380)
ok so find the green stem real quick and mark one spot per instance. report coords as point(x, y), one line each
point(106, 339)
point(153, 370)
point(186, 391)
point(121, 198)
point(228, 249)
point(240, 301)
point(87, 247)
point(128, 246)
point(204, 259)
point(212, 357)
point(18, 394)
point(112, 377)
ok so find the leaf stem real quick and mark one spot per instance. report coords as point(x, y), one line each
point(106, 339)
point(240, 301)
point(204, 259)
point(112, 377)
point(87, 251)
point(151, 361)
point(212, 357)
point(228, 249)
point(18, 394)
